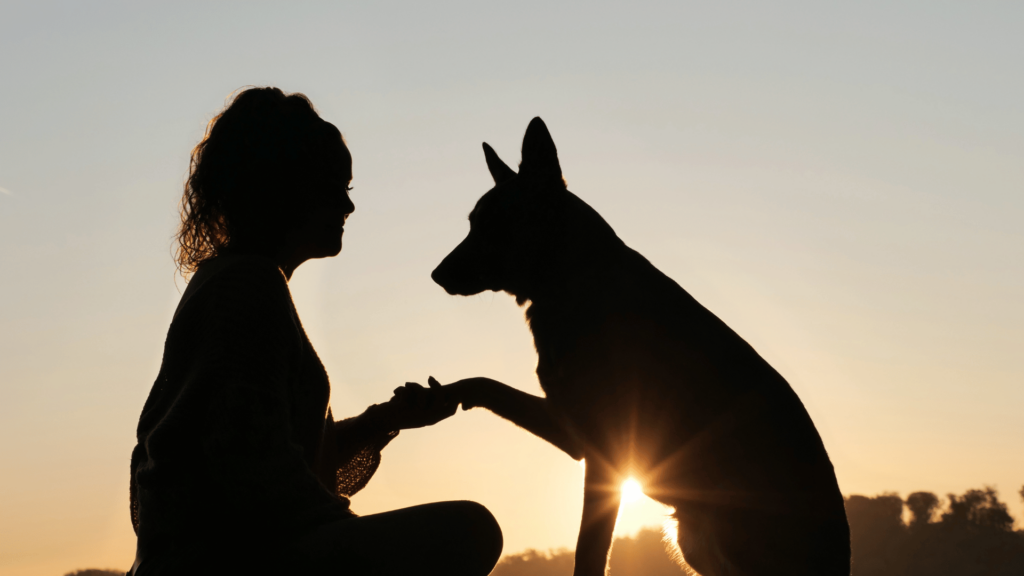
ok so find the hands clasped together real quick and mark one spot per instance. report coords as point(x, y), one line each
point(414, 406)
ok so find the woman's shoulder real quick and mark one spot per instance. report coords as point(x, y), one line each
point(238, 278)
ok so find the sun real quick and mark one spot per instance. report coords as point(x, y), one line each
point(631, 491)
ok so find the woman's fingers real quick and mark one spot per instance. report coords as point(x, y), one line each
point(437, 402)
point(432, 393)
point(398, 395)
point(448, 398)
point(418, 406)
point(410, 393)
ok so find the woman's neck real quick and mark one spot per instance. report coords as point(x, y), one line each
point(287, 259)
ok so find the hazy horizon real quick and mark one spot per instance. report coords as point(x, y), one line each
point(841, 184)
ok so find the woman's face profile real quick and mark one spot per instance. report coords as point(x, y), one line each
point(329, 206)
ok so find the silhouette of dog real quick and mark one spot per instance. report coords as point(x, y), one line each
point(641, 380)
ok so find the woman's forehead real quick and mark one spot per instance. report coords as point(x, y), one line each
point(335, 157)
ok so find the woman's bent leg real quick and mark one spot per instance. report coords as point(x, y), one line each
point(444, 538)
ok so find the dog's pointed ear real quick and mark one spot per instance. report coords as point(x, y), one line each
point(539, 155)
point(499, 170)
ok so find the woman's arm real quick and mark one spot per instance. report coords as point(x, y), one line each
point(522, 409)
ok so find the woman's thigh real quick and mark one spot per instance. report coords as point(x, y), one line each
point(450, 538)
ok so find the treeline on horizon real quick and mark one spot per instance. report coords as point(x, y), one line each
point(972, 535)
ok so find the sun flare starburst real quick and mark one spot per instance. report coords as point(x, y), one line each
point(631, 491)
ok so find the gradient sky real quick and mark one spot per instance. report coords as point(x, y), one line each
point(842, 183)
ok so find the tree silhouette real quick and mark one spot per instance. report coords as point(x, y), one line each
point(978, 508)
point(876, 530)
point(922, 506)
point(973, 536)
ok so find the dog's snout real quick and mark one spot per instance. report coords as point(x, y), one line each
point(461, 273)
point(438, 276)
point(446, 274)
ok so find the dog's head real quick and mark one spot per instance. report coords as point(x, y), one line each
point(512, 224)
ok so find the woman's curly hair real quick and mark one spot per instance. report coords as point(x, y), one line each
point(247, 176)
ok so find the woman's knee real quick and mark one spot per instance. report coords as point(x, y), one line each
point(440, 539)
point(479, 534)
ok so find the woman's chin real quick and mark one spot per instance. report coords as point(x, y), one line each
point(333, 249)
point(325, 250)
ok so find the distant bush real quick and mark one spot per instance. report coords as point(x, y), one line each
point(642, 555)
point(534, 563)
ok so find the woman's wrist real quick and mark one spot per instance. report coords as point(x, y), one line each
point(377, 420)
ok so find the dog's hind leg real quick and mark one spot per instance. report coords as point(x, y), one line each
point(698, 545)
point(601, 497)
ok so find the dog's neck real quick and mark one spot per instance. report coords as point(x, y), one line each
point(574, 292)
point(575, 276)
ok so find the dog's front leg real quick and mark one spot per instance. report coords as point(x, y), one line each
point(524, 410)
point(601, 496)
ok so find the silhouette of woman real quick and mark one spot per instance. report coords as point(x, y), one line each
point(240, 467)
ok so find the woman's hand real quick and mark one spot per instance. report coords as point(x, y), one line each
point(414, 406)
point(473, 392)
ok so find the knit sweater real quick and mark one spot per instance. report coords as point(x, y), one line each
point(237, 430)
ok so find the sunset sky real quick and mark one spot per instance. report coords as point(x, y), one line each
point(842, 183)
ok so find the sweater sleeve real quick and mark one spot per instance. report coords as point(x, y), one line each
point(251, 344)
point(353, 456)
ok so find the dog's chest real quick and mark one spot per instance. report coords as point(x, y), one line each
point(575, 363)
point(557, 337)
